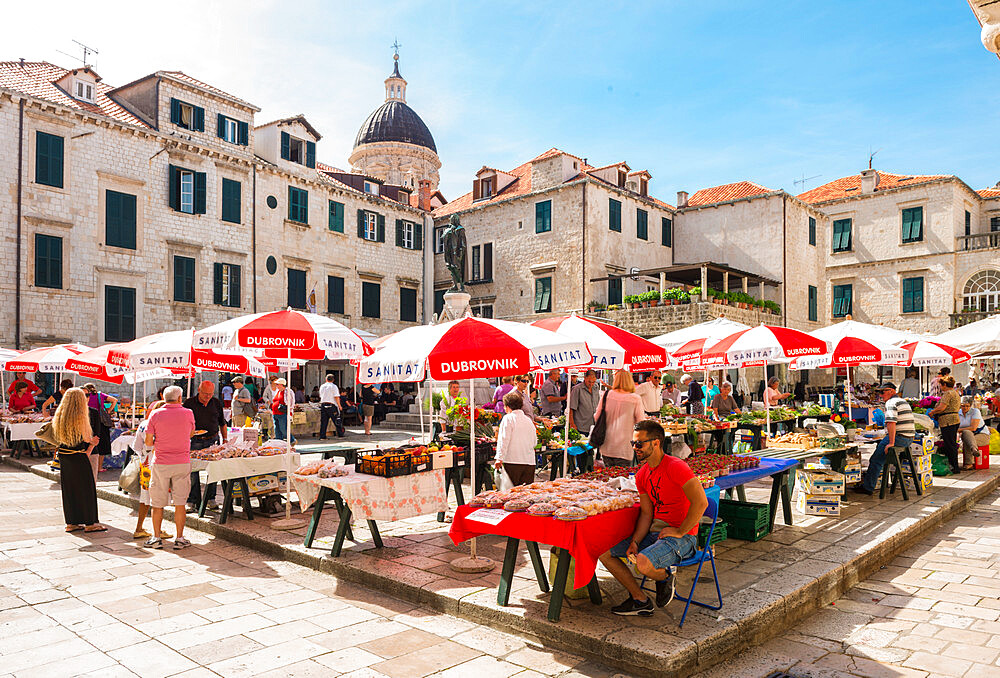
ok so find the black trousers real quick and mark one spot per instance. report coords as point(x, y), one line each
point(79, 491)
point(329, 412)
point(949, 438)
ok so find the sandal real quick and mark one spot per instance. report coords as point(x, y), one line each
point(95, 528)
point(74, 528)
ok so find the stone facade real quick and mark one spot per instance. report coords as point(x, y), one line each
point(102, 153)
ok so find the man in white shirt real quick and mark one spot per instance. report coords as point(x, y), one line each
point(329, 408)
point(649, 392)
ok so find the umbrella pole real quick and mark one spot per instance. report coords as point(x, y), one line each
point(767, 402)
point(287, 523)
point(420, 406)
point(565, 459)
point(473, 563)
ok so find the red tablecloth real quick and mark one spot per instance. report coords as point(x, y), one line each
point(585, 540)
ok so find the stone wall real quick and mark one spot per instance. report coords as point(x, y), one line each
point(651, 322)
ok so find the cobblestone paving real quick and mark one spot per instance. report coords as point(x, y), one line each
point(99, 604)
point(934, 612)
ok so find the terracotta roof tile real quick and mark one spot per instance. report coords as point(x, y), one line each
point(850, 186)
point(725, 192)
point(987, 193)
point(323, 167)
point(184, 77)
point(38, 78)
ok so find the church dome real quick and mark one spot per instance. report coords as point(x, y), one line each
point(395, 121)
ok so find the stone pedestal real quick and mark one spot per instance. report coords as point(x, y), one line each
point(456, 305)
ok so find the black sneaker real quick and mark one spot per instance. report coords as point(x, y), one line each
point(665, 590)
point(632, 607)
point(861, 490)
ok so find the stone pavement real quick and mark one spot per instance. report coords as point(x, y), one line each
point(934, 612)
point(99, 604)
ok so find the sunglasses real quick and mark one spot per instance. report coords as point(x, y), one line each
point(637, 444)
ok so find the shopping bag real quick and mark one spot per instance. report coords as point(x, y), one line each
point(129, 478)
point(940, 465)
point(994, 441)
point(505, 481)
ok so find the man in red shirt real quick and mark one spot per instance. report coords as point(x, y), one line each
point(672, 503)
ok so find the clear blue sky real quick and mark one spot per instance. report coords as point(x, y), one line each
point(697, 93)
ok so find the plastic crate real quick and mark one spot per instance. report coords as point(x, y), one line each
point(747, 521)
point(746, 531)
point(385, 465)
point(720, 534)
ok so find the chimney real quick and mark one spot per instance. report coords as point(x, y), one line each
point(869, 180)
point(424, 195)
point(682, 199)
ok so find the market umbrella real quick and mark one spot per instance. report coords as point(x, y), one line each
point(94, 364)
point(290, 335)
point(612, 348)
point(932, 354)
point(979, 339)
point(853, 328)
point(765, 343)
point(5, 355)
point(850, 352)
point(45, 359)
point(470, 348)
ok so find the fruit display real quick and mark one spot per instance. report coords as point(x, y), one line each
point(608, 472)
point(815, 410)
point(563, 498)
point(395, 461)
point(715, 465)
point(326, 468)
point(793, 441)
point(24, 417)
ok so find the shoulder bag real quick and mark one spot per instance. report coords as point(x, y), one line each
point(600, 430)
point(104, 415)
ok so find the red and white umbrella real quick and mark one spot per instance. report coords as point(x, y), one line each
point(932, 354)
point(852, 351)
point(612, 348)
point(93, 364)
point(470, 348)
point(285, 334)
point(289, 335)
point(689, 342)
point(45, 359)
point(764, 343)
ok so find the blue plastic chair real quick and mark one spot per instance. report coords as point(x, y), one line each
point(699, 558)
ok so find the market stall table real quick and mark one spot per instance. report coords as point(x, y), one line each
point(372, 498)
point(236, 470)
point(22, 436)
point(347, 451)
point(778, 470)
point(582, 540)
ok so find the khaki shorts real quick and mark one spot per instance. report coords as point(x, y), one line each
point(369, 410)
point(169, 479)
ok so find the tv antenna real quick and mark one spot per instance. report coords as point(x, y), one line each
point(802, 181)
point(87, 51)
point(871, 156)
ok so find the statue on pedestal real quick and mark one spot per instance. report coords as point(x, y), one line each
point(455, 246)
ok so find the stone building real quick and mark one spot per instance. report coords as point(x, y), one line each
point(162, 204)
point(916, 252)
point(554, 234)
point(394, 144)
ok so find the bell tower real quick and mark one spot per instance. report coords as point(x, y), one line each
point(395, 85)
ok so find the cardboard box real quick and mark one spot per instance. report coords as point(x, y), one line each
point(444, 459)
point(852, 477)
point(820, 482)
point(921, 462)
point(926, 480)
point(818, 505)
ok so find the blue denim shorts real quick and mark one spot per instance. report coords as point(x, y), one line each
point(662, 553)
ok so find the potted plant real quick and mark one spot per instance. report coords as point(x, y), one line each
point(612, 307)
point(631, 301)
point(652, 298)
point(695, 293)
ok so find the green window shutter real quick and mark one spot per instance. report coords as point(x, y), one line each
point(813, 303)
point(913, 218)
point(848, 300)
point(304, 206)
point(199, 192)
point(198, 119)
point(243, 133)
point(296, 288)
point(538, 295)
point(812, 230)
point(906, 225)
point(488, 261)
point(183, 279)
point(842, 235)
point(543, 216)
point(642, 224)
point(128, 221)
point(543, 295)
point(293, 204)
point(407, 304)
point(615, 291)
point(361, 223)
point(285, 143)
point(217, 297)
point(418, 236)
point(119, 219)
point(336, 216)
point(119, 313)
point(371, 302)
point(48, 261)
point(220, 126)
point(48, 159)
point(175, 111)
point(335, 294)
point(310, 154)
point(174, 187)
point(666, 232)
point(381, 228)
point(235, 293)
point(231, 201)
point(399, 232)
point(614, 215)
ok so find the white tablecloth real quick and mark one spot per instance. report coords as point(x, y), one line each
point(25, 431)
point(242, 467)
point(378, 498)
point(121, 443)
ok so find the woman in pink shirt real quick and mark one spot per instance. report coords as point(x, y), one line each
point(624, 411)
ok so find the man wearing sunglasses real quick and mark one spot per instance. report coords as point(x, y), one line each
point(649, 392)
point(672, 503)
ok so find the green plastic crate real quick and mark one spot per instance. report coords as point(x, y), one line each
point(744, 511)
point(746, 531)
point(717, 536)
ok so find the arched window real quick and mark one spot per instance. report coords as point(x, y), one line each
point(982, 292)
